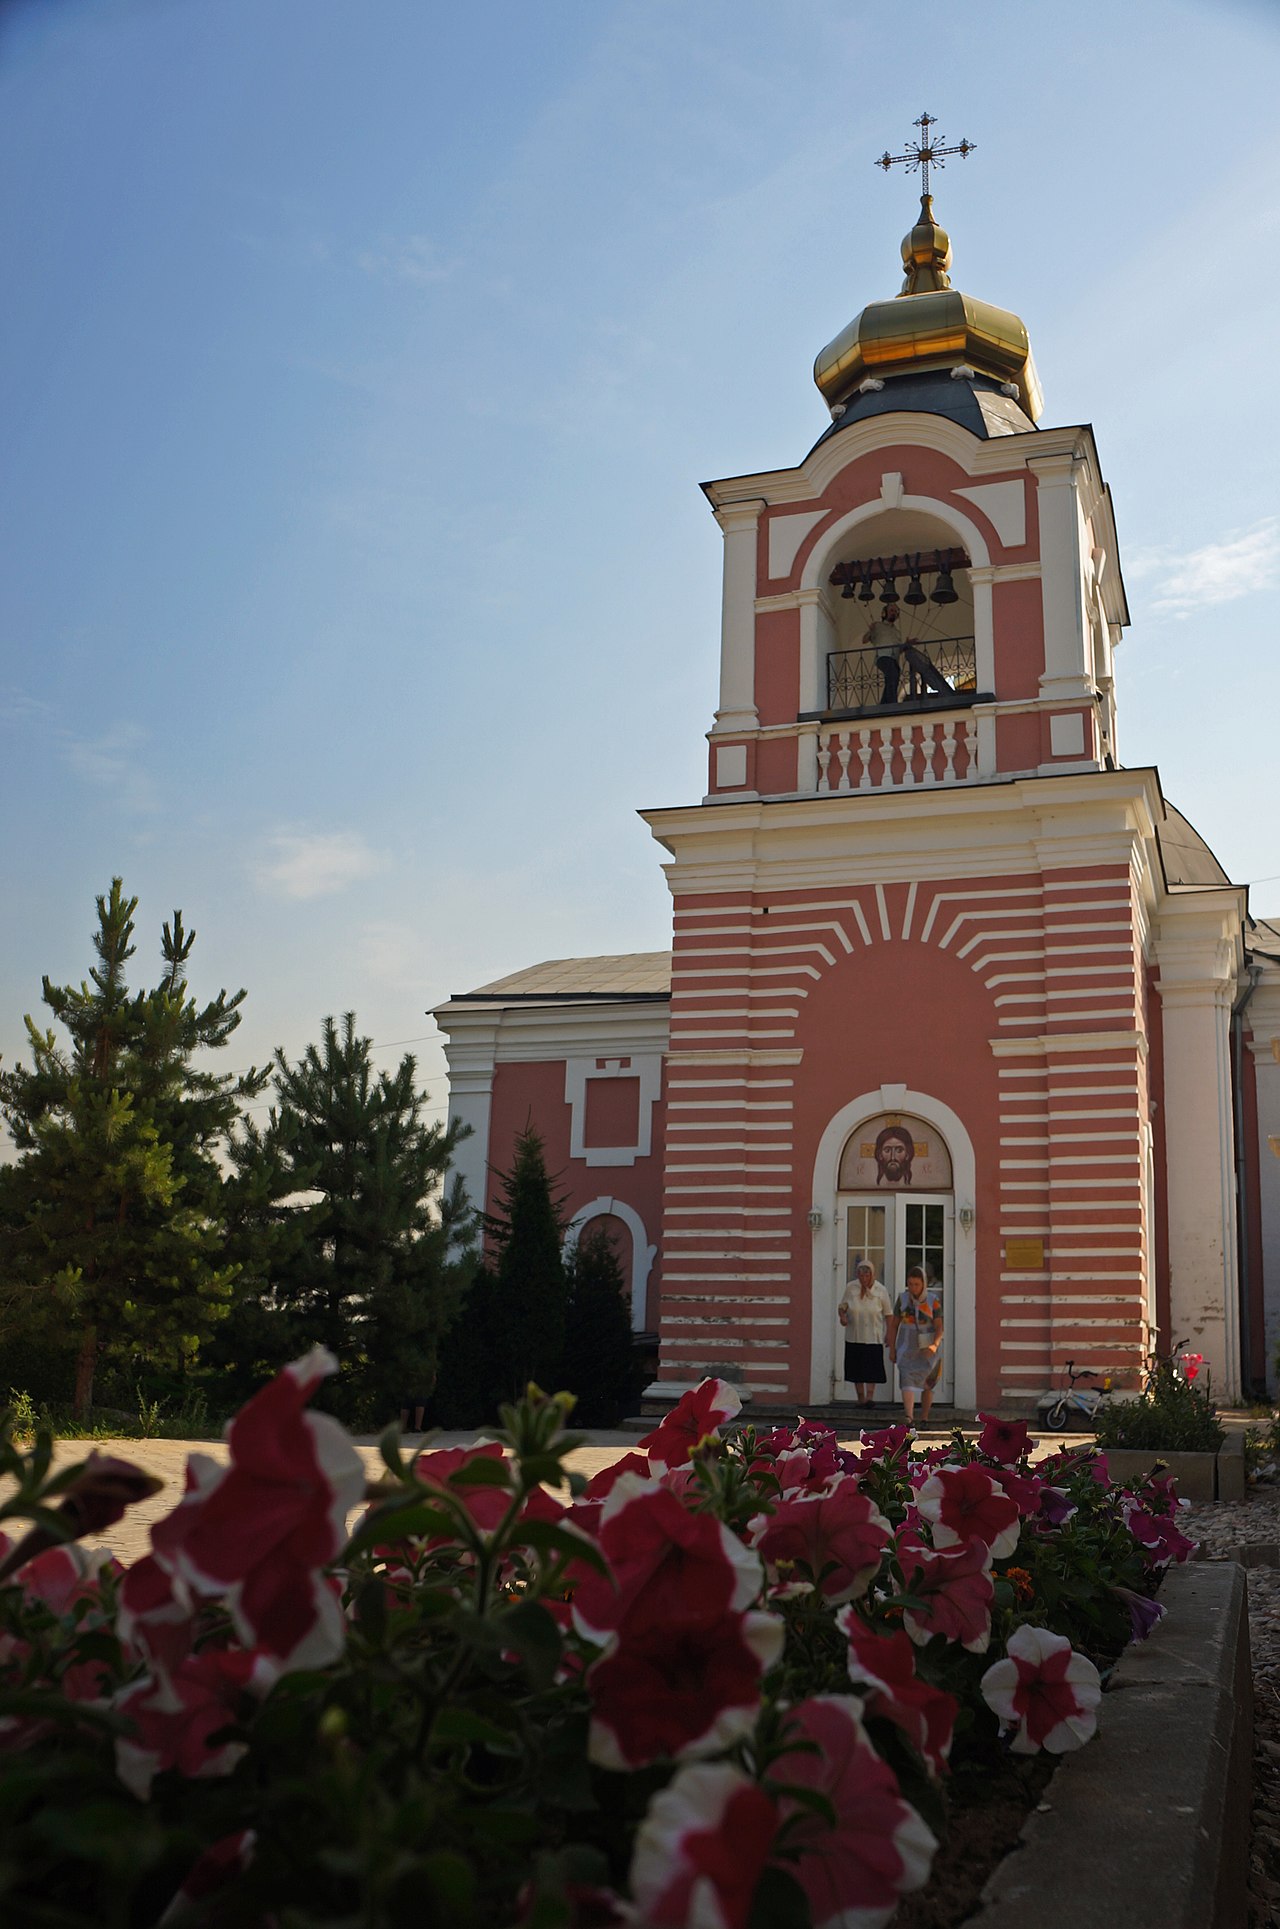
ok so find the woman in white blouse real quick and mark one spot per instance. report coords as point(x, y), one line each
point(864, 1313)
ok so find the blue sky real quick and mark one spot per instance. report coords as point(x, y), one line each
point(360, 366)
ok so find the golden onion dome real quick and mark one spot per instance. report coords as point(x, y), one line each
point(929, 324)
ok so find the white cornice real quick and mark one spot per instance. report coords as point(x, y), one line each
point(1028, 825)
point(1004, 572)
point(525, 1032)
point(1070, 1041)
point(684, 1058)
point(1001, 454)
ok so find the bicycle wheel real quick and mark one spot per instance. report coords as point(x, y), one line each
point(1056, 1417)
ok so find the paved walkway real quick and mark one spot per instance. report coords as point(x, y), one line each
point(130, 1538)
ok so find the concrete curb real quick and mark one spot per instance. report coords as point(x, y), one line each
point(1150, 1822)
point(1200, 1476)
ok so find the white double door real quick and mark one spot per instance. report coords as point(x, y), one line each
point(896, 1232)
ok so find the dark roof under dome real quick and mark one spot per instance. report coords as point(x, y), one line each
point(1186, 857)
point(975, 403)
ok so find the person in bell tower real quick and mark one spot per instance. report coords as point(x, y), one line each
point(893, 650)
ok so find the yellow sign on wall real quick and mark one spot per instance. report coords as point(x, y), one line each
point(1024, 1255)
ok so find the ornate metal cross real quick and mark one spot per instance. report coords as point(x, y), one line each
point(924, 153)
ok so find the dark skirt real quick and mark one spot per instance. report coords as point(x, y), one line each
point(864, 1364)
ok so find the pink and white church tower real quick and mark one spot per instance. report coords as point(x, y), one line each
point(948, 984)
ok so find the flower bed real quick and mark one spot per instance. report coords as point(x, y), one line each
point(724, 1684)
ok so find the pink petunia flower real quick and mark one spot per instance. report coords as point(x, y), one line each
point(156, 1616)
point(878, 1849)
point(680, 1690)
point(486, 1505)
point(964, 1503)
point(695, 1418)
point(840, 1528)
point(216, 1868)
point(958, 1590)
point(882, 1442)
point(667, 1565)
point(61, 1577)
point(1003, 1440)
point(1158, 1538)
point(260, 1531)
point(1045, 1690)
point(177, 1716)
point(1023, 1490)
point(587, 1509)
point(701, 1850)
point(882, 1667)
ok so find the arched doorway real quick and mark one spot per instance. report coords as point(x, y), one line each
point(634, 1251)
point(895, 1206)
point(894, 1181)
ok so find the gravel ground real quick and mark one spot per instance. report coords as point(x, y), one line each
point(1222, 1529)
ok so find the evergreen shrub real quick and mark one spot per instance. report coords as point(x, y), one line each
point(1171, 1416)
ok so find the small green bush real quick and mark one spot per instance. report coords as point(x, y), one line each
point(1172, 1416)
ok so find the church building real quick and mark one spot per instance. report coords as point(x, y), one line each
point(949, 984)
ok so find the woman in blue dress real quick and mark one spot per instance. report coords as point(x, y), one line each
point(915, 1334)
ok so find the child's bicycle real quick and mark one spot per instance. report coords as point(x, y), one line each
point(1058, 1409)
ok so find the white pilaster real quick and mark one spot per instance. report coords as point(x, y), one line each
point(1197, 948)
point(1066, 642)
point(470, 1048)
point(738, 522)
point(1264, 1017)
point(817, 637)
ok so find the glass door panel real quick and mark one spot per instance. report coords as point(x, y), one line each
point(868, 1234)
point(864, 1238)
point(924, 1240)
point(896, 1233)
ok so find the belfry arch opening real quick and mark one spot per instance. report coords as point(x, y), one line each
point(918, 566)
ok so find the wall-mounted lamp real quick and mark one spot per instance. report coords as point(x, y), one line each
point(815, 1217)
point(966, 1216)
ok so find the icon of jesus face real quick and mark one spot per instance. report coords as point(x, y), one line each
point(895, 1151)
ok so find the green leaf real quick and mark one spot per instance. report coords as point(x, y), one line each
point(418, 1520)
point(457, 1725)
point(392, 1458)
point(489, 1472)
point(451, 1882)
point(804, 1797)
point(779, 1903)
point(546, 1537)
point(532, 1632)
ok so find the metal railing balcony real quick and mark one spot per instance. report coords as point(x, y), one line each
point(859, 679)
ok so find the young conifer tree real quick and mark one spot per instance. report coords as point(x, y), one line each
point(110, 1215)
point(600, 1363)
point(365, 1244)
point(529, 1290)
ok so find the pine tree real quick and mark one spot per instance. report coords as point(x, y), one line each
point(363, 1247)
point(110, 1216)
point(529, 1286)
point(600, 1363)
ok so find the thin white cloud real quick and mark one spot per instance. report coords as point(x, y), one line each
point(413, 259)
point(1216, 573)
point(314, 864)
point(111, 762)
point(21, 711)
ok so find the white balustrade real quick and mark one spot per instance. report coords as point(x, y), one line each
point(910, 755)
